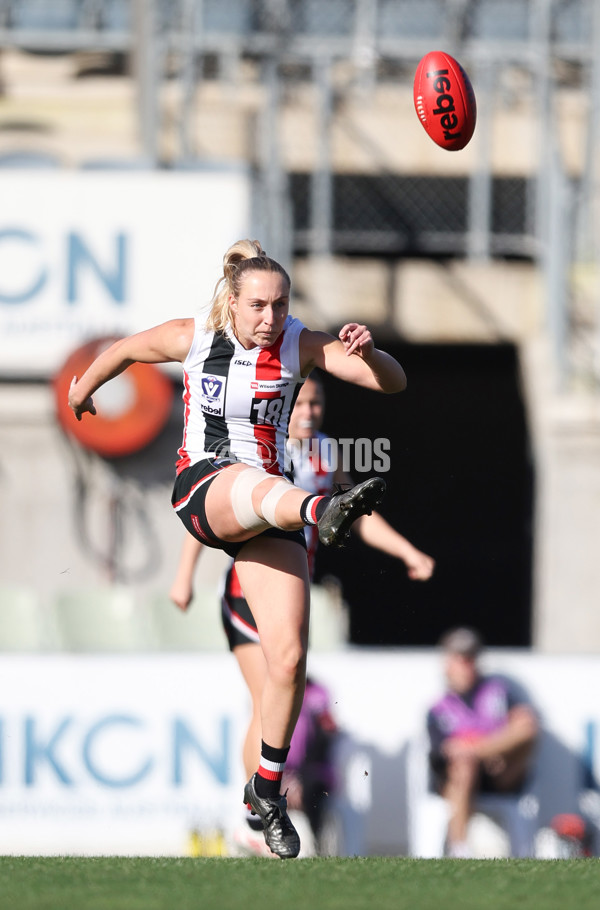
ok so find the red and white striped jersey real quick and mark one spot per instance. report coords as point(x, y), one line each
point(237, 403)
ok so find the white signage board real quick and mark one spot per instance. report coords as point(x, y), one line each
point(132, 754)
point(98, 253)
point(118, 755)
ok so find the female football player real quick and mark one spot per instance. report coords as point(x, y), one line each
point(242, 372)
point(316, 467)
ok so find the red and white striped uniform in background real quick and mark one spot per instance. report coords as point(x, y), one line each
point(238, 402)
point(314, 464)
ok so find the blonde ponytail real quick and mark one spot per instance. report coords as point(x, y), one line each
point(244, 256)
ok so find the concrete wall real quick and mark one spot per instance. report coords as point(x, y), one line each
point(41, 544)
point(566, 433)
point(95, 117)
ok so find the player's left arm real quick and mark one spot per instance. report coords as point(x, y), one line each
point(352, 357)
point(376, 532)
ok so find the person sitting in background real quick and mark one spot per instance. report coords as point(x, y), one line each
point(482, 735)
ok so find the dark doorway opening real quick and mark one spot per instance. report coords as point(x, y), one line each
point(460, 487)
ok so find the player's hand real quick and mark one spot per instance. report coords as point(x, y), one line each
point(420, 567)
point(86, 406)
point(357, 339)
point(181, 594)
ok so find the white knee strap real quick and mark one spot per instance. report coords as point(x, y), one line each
point(270, 500)
point(241, 499)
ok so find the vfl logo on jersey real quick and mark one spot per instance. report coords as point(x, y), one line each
point(213, 389)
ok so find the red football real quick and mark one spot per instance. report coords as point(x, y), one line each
point(445, 100)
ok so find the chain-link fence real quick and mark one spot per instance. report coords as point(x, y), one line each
point(415, 216)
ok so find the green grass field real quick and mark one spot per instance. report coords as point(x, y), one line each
point(118, 883)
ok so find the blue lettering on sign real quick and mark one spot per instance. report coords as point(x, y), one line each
point(37, 752)
point(37, 282)
point(92, 767)
point(79, 258)
point(79, 254)
point(185, 748)
point(183, 740)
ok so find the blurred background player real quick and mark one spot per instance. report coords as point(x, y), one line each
point(315, 466)
point(482, 735)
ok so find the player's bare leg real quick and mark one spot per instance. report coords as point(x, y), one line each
point(273, 574)
point(248, 836)
point(334, 516)
point(252, 663)
point(274, 577)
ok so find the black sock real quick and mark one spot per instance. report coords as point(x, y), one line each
point(312, 508)
point(270, 771)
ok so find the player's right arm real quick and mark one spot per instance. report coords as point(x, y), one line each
point(182, 589)
point(164, 343)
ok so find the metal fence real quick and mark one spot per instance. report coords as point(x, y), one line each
point(394, 28)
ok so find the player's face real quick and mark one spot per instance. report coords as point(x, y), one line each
point(461, 672)
point(261, 309)
point(307, 415)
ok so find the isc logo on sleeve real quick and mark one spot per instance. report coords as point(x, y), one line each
point(213, 394)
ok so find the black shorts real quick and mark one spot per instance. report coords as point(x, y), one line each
point(188, 500)
point(238, 622)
